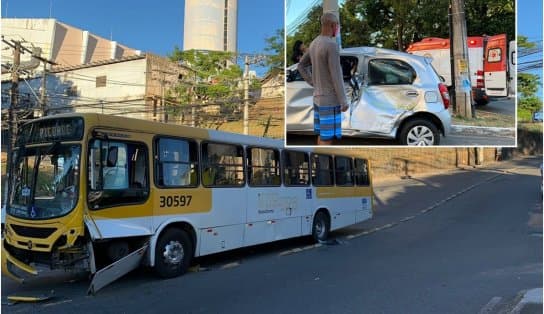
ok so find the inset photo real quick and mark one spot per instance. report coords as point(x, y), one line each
point(415, 73)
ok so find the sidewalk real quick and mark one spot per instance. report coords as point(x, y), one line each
point(469, 130)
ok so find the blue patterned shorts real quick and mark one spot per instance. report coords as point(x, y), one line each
point(328, 122)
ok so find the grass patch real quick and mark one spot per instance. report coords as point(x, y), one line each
point(531, 126)
point(487, 119)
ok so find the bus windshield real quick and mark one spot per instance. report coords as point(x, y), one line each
point(45, 181)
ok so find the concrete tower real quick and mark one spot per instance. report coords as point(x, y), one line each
point(210, 25)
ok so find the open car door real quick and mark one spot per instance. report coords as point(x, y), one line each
point(495, 66)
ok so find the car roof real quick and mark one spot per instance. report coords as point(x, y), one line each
point(378, 52)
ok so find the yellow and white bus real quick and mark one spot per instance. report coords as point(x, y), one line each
point(106, 194)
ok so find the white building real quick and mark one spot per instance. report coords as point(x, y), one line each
point(210, 25)
point(61, 43)
point(131, 86)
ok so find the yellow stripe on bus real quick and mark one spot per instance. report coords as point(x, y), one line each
point(339, 191)
point(165, 202)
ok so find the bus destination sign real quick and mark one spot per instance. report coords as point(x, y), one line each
point(46, 131)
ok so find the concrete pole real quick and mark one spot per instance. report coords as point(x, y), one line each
point(463, 89)
point(12, 118)
point(332, 6)
point(246, 95)
point(42, 94)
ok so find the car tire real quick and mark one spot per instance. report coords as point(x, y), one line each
point(419, 132)
point(173, 253)
point(481, 102)
point(321, 227)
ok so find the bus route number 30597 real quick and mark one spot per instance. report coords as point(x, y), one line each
point(175, 200)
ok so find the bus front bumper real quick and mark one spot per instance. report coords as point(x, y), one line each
point(9, 262)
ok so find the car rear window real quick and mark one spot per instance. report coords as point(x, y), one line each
point(390, 72)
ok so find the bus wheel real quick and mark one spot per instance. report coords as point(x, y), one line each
point(173, 253)
point(321, 227)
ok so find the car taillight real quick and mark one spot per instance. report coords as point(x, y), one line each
point(445, 95)
point(480, 79)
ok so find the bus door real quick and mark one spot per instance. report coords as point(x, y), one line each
point(495, 66)
point(272, 212)
point(118, 184)
point(222, 175)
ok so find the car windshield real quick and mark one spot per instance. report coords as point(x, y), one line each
point(45, 181)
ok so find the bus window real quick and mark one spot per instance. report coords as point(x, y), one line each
point(263, 167)
point(176, 161)
point(322, 170)
point(296, 168)
point(361, 172)
point(222, 164)
point(344, 171)
point(118, 173)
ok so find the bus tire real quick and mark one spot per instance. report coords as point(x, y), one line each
point(173, 253)
point(321, 227)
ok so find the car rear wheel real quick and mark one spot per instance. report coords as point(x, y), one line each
point(419, 132)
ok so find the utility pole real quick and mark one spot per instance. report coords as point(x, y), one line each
point(12, 117)
point(249, 59)
point(246, 95)
point(463, 89)
point(42, 94)
point(332, 6)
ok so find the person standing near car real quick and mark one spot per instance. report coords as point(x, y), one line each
point(323, 56)
point(298, 51)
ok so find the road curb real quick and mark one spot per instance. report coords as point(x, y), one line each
point(457, 129)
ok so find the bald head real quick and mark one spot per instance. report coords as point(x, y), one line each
point(328, 19)
point(329, 23)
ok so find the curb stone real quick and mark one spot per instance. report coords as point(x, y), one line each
point(457, 129)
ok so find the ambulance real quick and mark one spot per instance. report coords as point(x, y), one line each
point(491, 63)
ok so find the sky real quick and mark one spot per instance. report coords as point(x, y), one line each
point(149, 26)
point(530, 25)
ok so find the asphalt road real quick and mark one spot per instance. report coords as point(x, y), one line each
point(503, 105)
point(440, 244)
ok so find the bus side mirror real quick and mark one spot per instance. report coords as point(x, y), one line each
point(112, 156)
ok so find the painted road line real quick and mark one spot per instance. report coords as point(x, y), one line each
point(230, 265)
point(490, 306)
point(300, 249)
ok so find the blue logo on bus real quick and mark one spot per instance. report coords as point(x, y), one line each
point(364, 200)
point(308, 194)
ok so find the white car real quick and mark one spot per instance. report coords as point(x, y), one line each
point(393, 95)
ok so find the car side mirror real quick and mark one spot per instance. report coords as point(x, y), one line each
point(290, 76)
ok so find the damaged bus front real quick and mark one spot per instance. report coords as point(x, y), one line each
point(45, 215)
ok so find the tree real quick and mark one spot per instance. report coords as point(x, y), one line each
point(523, 42)
point(275, 47)
point(528, 102)
point(395, 24)
point(491, 17)
point(217, 76)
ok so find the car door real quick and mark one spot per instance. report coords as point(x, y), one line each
point(389, 92)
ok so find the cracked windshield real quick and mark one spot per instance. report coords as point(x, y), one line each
point(46, 181)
